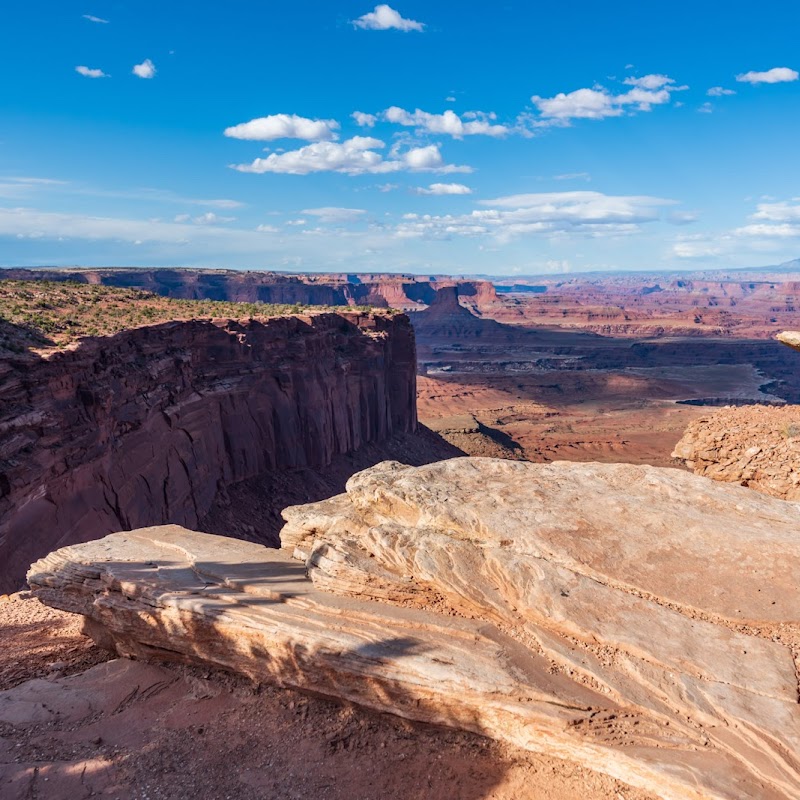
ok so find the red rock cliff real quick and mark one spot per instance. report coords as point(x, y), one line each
point(146, 426)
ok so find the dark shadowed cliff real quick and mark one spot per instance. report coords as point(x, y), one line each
point(152, 424)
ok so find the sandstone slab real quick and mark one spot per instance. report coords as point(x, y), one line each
point(639, 621)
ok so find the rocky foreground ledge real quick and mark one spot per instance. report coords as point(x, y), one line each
point(641, 621)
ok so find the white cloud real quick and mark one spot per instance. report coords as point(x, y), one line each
point(769, 231)
point(364, 120)
point(384, 18)
point(777, 212)
point(599, 102)
point(267, 229)
point(13, 187)
point(774, 227)
point(697, 249)
point(297, 222)
point(335, 214)
point(209, 218)
point(774, 75)
point(147, 69)
point(450, 99)
point(449, 122)
point(706, 108)
point(93, 18)
point(549, 214)
point(444, 188)
point(719, 91)
point(779, 220)
point(91, 73)
point(650, 82)
point(355, 156)
point(284, 126)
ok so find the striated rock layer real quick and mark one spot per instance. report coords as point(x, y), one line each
point(380, 290)
point(638, 620)
point(147, 426)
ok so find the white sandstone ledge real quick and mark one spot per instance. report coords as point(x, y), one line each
point(640, 621)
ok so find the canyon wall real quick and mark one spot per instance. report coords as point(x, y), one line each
point(149, 425)
point(334, 289)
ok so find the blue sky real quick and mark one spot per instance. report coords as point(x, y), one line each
point(433, 137)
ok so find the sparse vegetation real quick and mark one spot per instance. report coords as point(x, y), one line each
point(47, 314)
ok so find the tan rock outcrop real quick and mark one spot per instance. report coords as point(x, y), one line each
point(791, 338)
point(755, 446)
point(640, 621)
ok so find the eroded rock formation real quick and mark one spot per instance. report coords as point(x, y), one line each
point(336, 289)
point(147, 426)
point(755, 446)
point(640, 621)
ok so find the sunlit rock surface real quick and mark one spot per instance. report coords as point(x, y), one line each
point(754, 446)
point(640, 621)
point(792, 338)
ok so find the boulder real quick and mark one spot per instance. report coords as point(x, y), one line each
point(755, 446)
point(640, 621)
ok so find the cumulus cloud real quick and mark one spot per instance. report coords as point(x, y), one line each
point(650, 82)
point(384, 18)
point(706, 108)
point(444, 188)
point(479, 123)
point(91, 73)
point(364, 120)
point(284, 126)
point(778, 220)
point(719, 91)
point(544, 214)
point(600, 103)
point(777, 212)
point(147, 69)
point(335, 214)
point(774, 75)
point(356, 156)
point(93, 18)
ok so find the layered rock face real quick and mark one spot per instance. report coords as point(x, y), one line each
point(147, 426)
point(381, 291)
point(755, 446)
point(641, 621)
